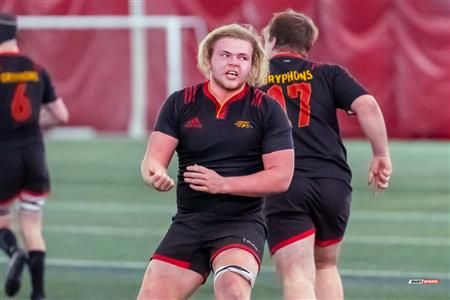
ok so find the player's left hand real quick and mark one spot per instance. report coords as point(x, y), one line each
point(380, 171)
point(203, 179)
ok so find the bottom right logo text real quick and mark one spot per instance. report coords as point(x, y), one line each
point(424, 281)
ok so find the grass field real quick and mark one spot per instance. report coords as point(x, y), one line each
point(102, 224)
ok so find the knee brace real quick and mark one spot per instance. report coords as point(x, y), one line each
point(31, 203)
point(244, 272)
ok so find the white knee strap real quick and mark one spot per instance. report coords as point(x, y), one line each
point(31, 203)
point(244, 272)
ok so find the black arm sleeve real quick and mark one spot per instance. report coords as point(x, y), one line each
point(167, 121)
point(345, 88)
point(277, 128)
point(49, 92)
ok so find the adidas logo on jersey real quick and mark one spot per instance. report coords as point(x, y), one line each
point(193, 123)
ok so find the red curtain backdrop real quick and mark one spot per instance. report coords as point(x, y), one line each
point(399, 50)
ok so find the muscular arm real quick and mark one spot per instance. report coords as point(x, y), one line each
point(53, 113)
point(160, 149)
point(371, 120)
point(275, 178)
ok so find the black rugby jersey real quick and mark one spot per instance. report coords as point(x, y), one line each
point(229, 139)
point(24, 87)
point(310, 93)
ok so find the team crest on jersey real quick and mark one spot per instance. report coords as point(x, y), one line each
point(193, 123)
point(243, 124)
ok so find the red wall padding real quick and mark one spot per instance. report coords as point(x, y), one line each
point(399, 50)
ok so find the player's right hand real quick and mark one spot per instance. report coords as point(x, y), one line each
point(158, 179)
point(380, 171)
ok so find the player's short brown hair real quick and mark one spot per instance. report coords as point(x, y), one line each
point(260, 67)
point(292, 31)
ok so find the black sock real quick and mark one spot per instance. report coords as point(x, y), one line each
point(36, 265)
point(8, 242)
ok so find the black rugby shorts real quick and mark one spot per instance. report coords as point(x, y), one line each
point(319, 206)
point(194, 240)
point(23, 169)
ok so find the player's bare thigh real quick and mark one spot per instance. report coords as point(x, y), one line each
point(5, 216)
point(296, 259)
point(327, 256)
point(166, 281)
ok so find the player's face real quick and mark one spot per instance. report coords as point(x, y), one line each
point(231, 63)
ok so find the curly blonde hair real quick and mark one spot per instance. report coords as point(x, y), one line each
point(260, 64)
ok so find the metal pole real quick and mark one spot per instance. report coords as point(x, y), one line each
point(137, 125)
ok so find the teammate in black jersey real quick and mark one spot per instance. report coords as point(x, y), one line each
point(234, 145)
point(307, 223)
point(27, 103)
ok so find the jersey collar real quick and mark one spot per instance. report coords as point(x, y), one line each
point(289, 54)
point(221, 108)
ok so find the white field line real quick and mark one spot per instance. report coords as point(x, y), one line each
point(159, 232)
point(110, 207)
point(123, 208)
point(400, 216)
point(141, 265)
point(62, 262)
point(103, 230)
point(396, 240)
